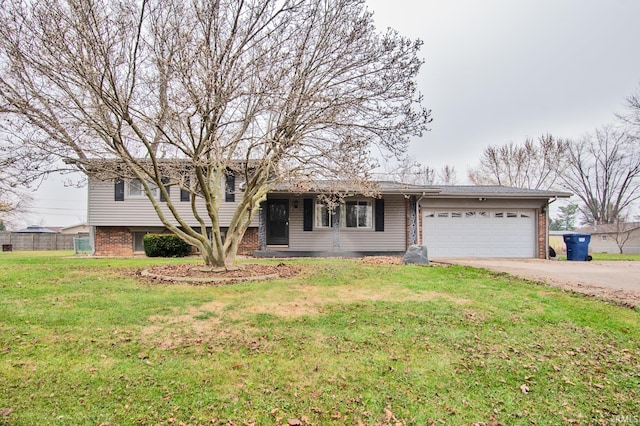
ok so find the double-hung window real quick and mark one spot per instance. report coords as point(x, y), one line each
point(136, 190)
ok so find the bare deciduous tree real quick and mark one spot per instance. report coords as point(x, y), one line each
point(13, 182)
point(603, 171)
point(179, 93)
point(410, 171)
point(533, 164)
point(413, 172)
point(622, 232)
point(447, 176)
point(631, 117)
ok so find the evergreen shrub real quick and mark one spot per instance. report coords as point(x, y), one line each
point(165, 245)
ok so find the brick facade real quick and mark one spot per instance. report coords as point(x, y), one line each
point(249, 242)
point(118, 241)
point(113, 241)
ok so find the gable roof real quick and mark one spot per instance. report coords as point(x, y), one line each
point(38, 229)
point(609, 228)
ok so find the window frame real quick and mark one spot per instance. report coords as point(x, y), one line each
point(155, 190)
point(321, 206)
point(360, 202)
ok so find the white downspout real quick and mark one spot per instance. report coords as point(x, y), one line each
point(546, 234)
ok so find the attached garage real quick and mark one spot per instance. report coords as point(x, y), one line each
point(480, 232)
point(486, 221)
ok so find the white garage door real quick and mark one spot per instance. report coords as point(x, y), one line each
point(479, 233)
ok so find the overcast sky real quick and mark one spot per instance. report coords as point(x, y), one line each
point(495, 71)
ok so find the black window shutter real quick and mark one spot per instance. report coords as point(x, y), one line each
point(164, 181)
point(307, 214)
point(119, 190)
point(184, 194)
point(380, 214)
point(230, 188)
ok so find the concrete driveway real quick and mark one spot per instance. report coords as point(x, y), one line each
point(613, 280)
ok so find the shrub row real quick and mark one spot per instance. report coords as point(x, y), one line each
point(165, 245)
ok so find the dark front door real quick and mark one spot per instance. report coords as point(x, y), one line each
point(278, 222)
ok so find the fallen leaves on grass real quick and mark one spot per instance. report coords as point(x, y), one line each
point(382, 260)
point(164, 273)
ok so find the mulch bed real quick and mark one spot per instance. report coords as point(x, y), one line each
point(198, 274)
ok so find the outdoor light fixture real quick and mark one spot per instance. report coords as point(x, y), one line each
point(295, 204)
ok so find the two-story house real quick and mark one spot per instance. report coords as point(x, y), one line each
point(452, 221)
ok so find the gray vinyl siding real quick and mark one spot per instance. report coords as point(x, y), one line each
point(609, 245)
point(102, 210)
point(393, 238)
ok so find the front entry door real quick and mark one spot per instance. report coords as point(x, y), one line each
point(278, 222)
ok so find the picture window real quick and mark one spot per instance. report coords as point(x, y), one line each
point(357, 214)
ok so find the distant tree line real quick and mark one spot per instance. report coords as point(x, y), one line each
point(602, 169)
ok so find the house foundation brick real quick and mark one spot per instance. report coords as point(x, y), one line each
point(118, 241)
point(249, 242)
point(113, 241)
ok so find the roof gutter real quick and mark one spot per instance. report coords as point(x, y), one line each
point(545, 208)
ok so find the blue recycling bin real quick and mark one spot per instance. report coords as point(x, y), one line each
point(577, 246)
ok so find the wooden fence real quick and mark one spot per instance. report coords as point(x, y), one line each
point(18, 241)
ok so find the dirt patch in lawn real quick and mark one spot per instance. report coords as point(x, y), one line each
point(205, 321)
point(299, 300)
point(294, 301)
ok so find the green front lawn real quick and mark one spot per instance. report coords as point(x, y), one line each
point(82, 341)
point(615, 256)
point(609, 257)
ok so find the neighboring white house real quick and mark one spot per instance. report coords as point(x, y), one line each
point(611, 237)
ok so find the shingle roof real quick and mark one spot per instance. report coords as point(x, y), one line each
point(609, 228)
point(498, 191)
point(445, 191)
point(37, 229)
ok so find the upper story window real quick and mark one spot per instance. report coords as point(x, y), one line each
point(136, 190)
